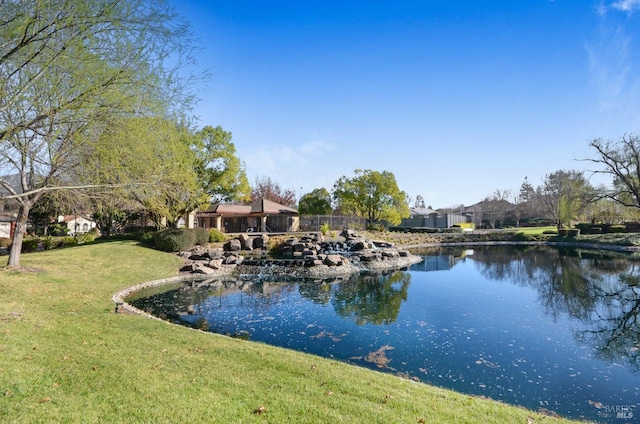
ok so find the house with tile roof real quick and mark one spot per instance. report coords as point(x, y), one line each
point(263, 215)
point(77, 224)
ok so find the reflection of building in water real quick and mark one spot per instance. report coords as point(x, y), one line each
point(440, 262)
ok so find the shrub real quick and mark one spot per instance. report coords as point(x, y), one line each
point(573, 232)
point(216, 235)
point(324, 228)
point(47, 243)
point(5, 242)
point(200, 236)
point(376, 227)
point(452, 230)
point(618, 229)
point(585, 228)
point(276, 245)
point(58, 230)
point(553, 232)
point(174, 239)
point(596, 230)
point(30, 244)
point(146, 239)
point(137, 234)
point(91, 235)
point(523, 237)
point(87, 237)
point(66, 242)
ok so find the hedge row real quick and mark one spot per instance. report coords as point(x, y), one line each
point(180, 239)
point(569, 232)
point(603, 228)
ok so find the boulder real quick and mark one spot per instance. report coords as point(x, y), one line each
point(390, 253)
point(333, 260)
point(189, 267)
point(245, 241)
point(202, 269)
point(348, 234)
point(215, 263)
point(215, 253)
point(261, 242)
point(233, 245)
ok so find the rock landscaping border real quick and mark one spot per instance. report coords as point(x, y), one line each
point(306, 256)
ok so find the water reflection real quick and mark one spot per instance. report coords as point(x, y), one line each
point(373, 299)
point(598, 288)
point(544, 328)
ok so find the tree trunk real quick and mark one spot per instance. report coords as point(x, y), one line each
point(18, 235)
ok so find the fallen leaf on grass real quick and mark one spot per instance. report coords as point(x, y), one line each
point(260, 410)
point(47, 399)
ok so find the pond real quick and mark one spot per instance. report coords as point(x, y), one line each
point(549, 329)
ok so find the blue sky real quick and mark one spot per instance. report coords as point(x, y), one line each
point(455, 98)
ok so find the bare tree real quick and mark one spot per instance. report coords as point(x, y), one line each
point(496, 207)
point(419, 202)
point(620, 160)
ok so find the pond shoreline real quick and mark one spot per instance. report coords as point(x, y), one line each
point(388, 265)
point(574, 244)
point(483, 358)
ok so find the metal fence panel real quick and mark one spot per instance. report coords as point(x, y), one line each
point(336, 222)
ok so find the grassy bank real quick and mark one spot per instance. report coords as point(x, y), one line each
point(65, 356)
point(507, 235)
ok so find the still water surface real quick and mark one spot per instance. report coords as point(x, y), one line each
point(544, 328)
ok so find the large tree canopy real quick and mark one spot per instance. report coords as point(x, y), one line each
point(373, 195)
point(150, 162)
point(564, 195)
point(220, 171)
point(68, 68)
point(318, 202)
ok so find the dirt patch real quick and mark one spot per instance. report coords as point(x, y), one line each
point(22, 269)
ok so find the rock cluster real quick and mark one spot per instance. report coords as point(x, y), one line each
point(307, 256)
point(209, 261)
point(247, 242)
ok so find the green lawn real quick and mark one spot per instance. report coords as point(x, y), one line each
point(65, 356)
point(533, 230)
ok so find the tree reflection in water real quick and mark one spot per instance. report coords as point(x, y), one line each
point(534, 326)
point(600, 289)
point(372, 299)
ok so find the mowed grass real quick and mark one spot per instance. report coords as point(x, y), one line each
point(534, 230)
point(65, 356)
